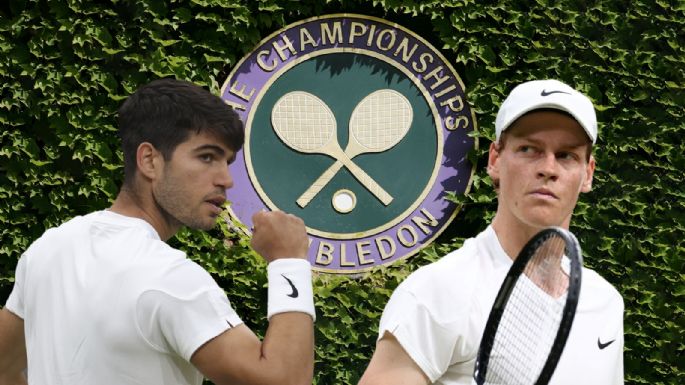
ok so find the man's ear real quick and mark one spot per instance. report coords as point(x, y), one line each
point(149, 160)
point(493, 164)
point(589, 173)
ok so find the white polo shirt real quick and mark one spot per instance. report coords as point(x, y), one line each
point(105, 301)
point(439, 312)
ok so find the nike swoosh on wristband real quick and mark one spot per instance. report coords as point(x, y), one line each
point(295, 293)
point(603, 345)
point(545, 93)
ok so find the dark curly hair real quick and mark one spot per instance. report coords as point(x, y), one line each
point(165, 112)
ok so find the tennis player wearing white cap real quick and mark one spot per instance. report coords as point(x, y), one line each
point(540, 162)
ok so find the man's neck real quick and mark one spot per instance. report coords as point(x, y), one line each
point(513, 234)
point(143, 206)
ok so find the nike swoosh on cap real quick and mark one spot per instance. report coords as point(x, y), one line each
point(602, 345)
point(546, 93)
point(295, 293)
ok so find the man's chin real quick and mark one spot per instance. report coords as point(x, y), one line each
point(204, 225)
point(543, 219)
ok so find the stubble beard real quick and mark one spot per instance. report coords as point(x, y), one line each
point(176, 209)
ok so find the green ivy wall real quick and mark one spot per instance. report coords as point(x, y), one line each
point(65, 67)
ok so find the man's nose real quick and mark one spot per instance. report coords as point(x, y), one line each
point(224, 178)
point(548, 167)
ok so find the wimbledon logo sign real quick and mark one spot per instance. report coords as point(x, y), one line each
point(359, 127)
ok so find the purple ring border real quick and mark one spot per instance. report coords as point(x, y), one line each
point(246, 200)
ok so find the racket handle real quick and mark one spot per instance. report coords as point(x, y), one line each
point(358, 173)
point(367, 181)
point(319, 184)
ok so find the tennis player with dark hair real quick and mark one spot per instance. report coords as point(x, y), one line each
point(540, 162)
point(102, 299)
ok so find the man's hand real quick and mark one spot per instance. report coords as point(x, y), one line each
point(277, 235)
point(286, 355)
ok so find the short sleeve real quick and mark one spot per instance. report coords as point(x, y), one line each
point(182, 325)
point(15, 302)
point(427, 341)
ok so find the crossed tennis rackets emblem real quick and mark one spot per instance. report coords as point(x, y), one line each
point(306, 124)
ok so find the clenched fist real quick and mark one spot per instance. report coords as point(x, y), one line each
point(277, 235)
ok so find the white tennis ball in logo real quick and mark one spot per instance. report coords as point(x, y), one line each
point(344, 201)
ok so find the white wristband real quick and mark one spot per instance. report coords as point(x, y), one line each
point(290, 287)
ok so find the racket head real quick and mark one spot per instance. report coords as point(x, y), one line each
point(381, 120)
point(492, 366)
point(303, 121)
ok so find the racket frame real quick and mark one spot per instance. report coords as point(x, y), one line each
point(573, 253)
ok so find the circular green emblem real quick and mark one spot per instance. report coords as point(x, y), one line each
point(359, 127)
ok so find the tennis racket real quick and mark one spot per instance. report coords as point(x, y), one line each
point(533, 312)
point(378, 123)
point(305, 123)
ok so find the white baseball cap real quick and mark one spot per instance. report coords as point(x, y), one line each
point(538, 94)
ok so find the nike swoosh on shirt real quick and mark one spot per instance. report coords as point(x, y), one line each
point(295, 293)
point(545, 93)
point(602, 345)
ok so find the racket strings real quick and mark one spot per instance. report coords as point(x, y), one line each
point(545, 267)
point(530, 320)
point(381, 120)
point(302, 121)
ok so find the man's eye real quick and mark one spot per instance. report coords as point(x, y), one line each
point(525, 149)
point(206, 158)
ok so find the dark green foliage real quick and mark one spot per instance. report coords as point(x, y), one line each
point(65, 67)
